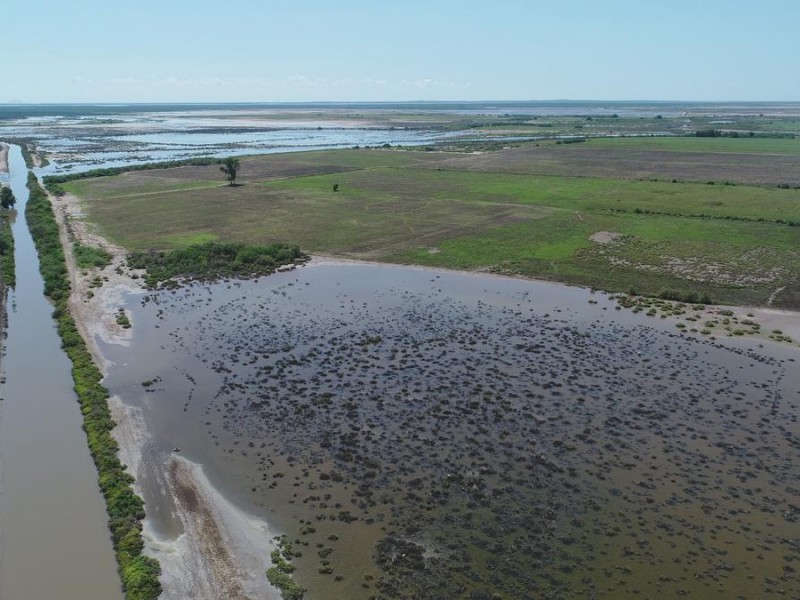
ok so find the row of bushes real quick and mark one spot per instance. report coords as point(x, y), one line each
point(139, 573)
point(647, 211)
point(687, 297)
point(53, 182)
point(7, 272)
point(213, 260)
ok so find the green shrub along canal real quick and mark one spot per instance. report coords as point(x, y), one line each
point(54, 538)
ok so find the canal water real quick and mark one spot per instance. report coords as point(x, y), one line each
point(54, 539)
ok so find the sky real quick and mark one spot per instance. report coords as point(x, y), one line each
point(396, 50)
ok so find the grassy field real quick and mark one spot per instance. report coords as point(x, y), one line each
point(720, 160)
point(476, 211)
point(698, 144)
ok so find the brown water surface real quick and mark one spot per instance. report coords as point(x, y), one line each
point(421, 434)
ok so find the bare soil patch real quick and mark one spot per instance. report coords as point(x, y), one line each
point(3, 158)
point(605, 237)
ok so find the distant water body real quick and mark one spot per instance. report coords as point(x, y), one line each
point(550, 107)
point(80, 137)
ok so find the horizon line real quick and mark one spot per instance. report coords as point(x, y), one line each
point(345, 102)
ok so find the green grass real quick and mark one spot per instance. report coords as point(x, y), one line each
point(695, 144)
point(585, 193)
point(414, 207)
point(131, 184)
point(88, 257)
point(184, 240)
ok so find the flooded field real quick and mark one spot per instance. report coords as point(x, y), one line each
point(423, 434)
point(80, 143)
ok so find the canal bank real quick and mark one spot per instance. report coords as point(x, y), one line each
point(54, 540)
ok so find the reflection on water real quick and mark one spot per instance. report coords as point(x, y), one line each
point(424, 434)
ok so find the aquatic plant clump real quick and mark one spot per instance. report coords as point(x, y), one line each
point(213, 260)
point(454, 441)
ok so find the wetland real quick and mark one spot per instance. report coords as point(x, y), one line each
point(424, 434)
point(373, 430)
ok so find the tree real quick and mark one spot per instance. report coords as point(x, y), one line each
point(7, 199)
point(230, 166)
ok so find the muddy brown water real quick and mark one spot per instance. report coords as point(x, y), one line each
point(54, 539)
point(422, 434)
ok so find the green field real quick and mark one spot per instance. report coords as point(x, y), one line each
point(739, 243)
point(699, 144)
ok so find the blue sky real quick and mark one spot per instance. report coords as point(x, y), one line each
point(362, 50)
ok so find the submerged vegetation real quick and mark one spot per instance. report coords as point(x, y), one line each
point(139, 573)
point(280, 573)
point(213, 260)
point(431, 435)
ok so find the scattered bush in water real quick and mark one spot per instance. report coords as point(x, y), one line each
point(279, 574)
point(139, 573)
point(122, 319)
point(213, 260)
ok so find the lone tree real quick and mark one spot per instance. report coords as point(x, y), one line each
point(230, 166)
point(7, 199)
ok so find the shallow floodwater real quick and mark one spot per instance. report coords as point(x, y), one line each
point(76, 145)
point(54, 538)
point(439, 435)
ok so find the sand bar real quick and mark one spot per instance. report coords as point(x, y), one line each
point(3, 157)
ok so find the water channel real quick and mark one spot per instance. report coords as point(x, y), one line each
point(54, 539)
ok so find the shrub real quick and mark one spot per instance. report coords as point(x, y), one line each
point(139, 573)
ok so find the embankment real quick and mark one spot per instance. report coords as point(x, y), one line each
point(139, 573)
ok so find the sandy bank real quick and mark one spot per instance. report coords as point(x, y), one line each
point(223, 552)
point(3, 158)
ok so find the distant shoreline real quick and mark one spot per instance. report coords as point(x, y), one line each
point(499, 107)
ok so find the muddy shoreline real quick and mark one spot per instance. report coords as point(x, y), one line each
point(222, 552)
